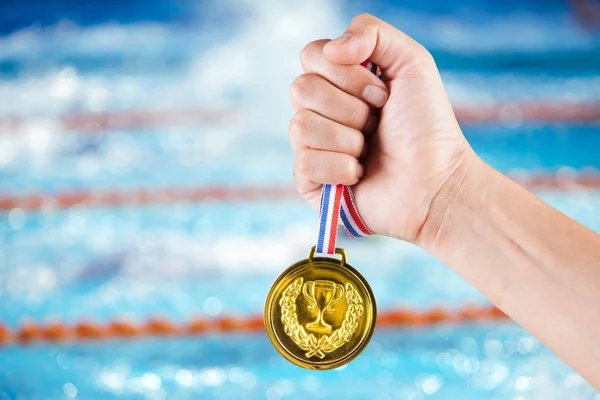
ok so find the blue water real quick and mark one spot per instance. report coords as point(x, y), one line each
point(468, 362)
point(215, 258)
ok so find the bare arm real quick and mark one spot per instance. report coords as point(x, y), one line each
point(536, 264)
point(416, 178)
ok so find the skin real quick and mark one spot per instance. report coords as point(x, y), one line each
point(416, 178)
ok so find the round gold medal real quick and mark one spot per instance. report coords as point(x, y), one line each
point(320, 312)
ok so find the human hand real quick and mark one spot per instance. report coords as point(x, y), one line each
point(401, 163)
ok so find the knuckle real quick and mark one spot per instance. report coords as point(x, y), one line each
point(296, 123)
point(300, 123)
point(308, 51)
point(301, 85)
point(349, 142)
point(334, 140)
point(302, 162)
point(305, 53)
point(364, 19)
point(357, 113)
point(344, 78)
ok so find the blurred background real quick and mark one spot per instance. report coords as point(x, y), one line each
point(145, 173)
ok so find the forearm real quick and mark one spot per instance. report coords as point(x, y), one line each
point(536, 264)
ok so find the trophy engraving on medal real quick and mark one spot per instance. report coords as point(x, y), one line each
point(323, 294)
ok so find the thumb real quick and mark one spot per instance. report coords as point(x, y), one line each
point(369, 38)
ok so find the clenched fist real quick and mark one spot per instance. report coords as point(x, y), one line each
point(397, 142)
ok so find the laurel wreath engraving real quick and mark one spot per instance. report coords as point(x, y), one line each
point(308, 341)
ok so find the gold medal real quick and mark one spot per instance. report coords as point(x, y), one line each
point(320, 312)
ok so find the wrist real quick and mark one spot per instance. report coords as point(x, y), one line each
point(455, 196)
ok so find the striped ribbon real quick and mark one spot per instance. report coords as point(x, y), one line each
point(337, 202)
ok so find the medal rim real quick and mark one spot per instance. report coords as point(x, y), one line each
point(268, 322)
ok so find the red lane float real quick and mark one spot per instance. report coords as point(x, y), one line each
point(31, 332)
point(120, 120)
point(563, 179)
point(504, 113)
point(142, 197)
point(145, 119)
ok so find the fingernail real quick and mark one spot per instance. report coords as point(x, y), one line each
point(360, 171)
point(341, 39)
point(372, 124)
point(375, 95)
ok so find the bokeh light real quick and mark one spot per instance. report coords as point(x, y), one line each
point(146, 185)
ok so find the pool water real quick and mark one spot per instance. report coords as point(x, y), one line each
point(215, 258)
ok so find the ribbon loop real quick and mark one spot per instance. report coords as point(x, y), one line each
point(337, 202)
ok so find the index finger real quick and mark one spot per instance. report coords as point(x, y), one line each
point(352, 79)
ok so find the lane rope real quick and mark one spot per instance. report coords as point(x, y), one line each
point(32, 332)
point(565, 179)
point(509, 112)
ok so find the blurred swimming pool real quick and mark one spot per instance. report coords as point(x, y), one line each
point(215, 258)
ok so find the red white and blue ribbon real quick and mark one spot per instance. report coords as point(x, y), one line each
point(337, 202)
point(373, 68)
